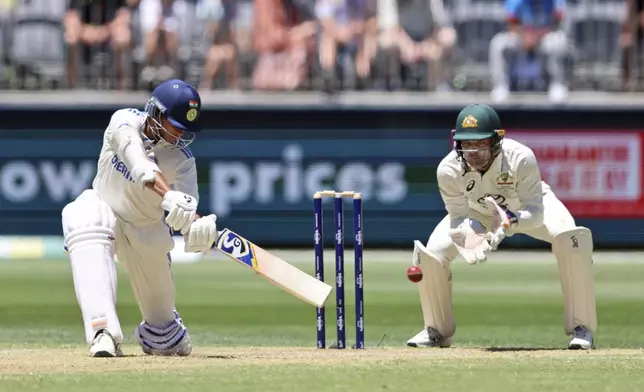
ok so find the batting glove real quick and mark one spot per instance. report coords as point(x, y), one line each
point(182, 210)
point(202, 234)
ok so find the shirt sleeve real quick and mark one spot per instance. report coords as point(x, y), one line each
point(455, 200)
point(438, 12)
point(387, 14)
point(186, 178)
point(530, 191)
point(124, 137)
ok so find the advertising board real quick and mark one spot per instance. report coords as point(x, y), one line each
point(595, 173)
point(258, 169)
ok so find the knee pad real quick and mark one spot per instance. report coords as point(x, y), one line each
point(86, 221)
point(171, 340)
point(86, 236)
point(443, 256)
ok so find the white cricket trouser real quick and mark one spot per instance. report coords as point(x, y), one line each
point(93, 236)
point(575, 266)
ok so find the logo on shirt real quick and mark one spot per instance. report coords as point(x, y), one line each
point(498, 199)
point(504, 181)
point(470, 122)
point(470, 185)
point(120, 167)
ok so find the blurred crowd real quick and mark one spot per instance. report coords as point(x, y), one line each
point(499, 46)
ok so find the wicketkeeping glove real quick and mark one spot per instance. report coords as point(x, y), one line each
point(503, 220)
point(470, 239)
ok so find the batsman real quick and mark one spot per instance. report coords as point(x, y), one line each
point(145, 189)
point(492, 189)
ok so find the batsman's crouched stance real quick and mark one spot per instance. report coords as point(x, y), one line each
point(143, 155)
point(492, 188)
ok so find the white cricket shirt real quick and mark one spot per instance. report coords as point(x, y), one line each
point(124, 148)
point(512, 180)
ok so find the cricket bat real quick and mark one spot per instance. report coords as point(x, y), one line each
point(272, 268)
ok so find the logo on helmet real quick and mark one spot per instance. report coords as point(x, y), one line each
point(469, 122)
point(155, 102)
point(191, 115)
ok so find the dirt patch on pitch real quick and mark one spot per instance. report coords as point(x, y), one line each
point(38, 361)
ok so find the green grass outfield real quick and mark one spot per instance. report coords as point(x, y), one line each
point(250, 336)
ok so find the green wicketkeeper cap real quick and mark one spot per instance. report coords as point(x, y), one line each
point(495, 121)
point(477, 122)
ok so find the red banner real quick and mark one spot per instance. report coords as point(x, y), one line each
point(595, 174)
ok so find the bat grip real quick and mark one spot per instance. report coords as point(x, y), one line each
point(214, 244)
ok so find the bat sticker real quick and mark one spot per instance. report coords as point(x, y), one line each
point(237, 247)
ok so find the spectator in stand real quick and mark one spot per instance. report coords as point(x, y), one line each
point(416, 33)
point(229, 25)
point(32, 43)
point(97, 23)
point(348, 36)
point(160, 22)
point(631, 40)
point(534, 27)
point(284, 42)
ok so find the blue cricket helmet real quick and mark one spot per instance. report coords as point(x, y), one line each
point(179, 102)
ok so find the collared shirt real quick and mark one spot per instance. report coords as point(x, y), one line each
point(513, 180)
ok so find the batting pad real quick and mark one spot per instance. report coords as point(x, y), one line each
point(574, 251)
point(435, 291)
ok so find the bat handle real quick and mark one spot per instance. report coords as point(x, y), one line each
point(214, 244)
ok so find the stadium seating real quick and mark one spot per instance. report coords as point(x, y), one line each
point(33, 49)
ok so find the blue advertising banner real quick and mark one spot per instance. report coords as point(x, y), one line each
point(259, 182)
point(258, 172)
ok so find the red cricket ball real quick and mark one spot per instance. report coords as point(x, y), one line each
point(415, 274)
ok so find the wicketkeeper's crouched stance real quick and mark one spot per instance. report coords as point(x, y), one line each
point(492, 188)
point(143, 154)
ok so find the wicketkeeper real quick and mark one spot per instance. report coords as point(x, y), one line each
point(492, 189)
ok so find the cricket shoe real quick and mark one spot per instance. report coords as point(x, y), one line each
point(104, 346)
point(582, 339)
point(183, 349)
point(174, 340)
point(429, 337)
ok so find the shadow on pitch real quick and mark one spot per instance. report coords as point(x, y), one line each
point(511, 349)
point(220, 357)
